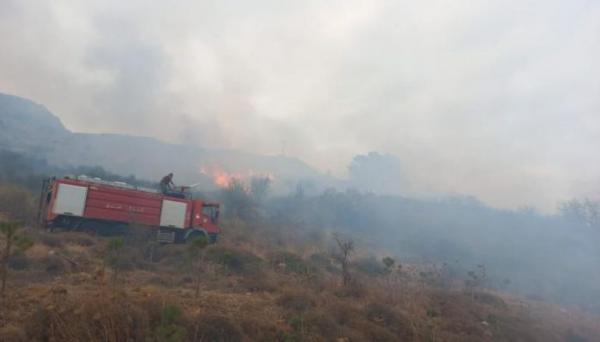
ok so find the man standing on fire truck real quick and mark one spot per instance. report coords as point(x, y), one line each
point(166, 183)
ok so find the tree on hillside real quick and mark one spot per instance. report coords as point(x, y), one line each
point(585, 211)
point(244, 201)
point(237, 200)
point(13, 241)
point(345, 249)
point(259, 188)
point(388, 264)
point(376, 172)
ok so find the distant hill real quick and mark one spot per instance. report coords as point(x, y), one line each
point(29, 128)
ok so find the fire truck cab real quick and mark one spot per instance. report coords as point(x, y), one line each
point(104, 207)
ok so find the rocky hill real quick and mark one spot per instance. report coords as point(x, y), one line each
point(31, 129)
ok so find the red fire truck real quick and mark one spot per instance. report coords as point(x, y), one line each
point(92, 204)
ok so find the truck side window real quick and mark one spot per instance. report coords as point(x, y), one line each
point(211, 212)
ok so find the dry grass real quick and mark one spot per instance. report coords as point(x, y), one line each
point(249, 293)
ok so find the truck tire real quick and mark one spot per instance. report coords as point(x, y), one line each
point(195, 234)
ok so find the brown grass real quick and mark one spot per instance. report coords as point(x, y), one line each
point(248, 293)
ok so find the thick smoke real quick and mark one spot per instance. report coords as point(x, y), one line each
point(378, 173)
point(494, 99)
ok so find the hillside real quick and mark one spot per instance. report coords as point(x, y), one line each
point(440, 269)
point(257, 285)
point(31, 129)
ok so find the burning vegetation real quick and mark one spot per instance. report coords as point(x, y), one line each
point(223, 179)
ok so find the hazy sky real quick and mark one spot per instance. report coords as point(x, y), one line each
point(499, 99)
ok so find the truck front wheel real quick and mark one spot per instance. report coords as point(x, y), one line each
point(195, 234)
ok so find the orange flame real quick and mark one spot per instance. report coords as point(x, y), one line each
point(223, 179)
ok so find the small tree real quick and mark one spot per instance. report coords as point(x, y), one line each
point(112, 257)
point(346, 247)
point(259, 188)
point(196, 255)
point(13, 241)
point(388, 263)
point(169, 329)
point(238, 200)
point(476, 279)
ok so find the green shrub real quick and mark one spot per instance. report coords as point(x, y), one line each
point(385, 316)
point(50, 240)
point(291, 263)
point(257, 282)
point(169, 330)
point(216, 329)
point(18, 262)
point(369, 266)
point(323, 261)
point(296, 301)
point(81, 239)
point(17, 203)
point(113, 257)
point(233, 260)
point(14, 241)
point(322, 325)
point(52, 264)
point(381, 314)
point(354, 289)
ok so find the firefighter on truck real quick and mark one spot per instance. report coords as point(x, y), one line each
point(167, 187)
point(166, 184)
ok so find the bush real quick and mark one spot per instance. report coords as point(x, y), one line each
point(296, 301)
point(52, 264)
point(323, 261)
point(290, 262)
point(375, 332)
point(383, 315)
point(380, 314)
point(172, 255)
point(342, 313)
point(322, 325)
point(18, 262)
point(256, 282)
point(169, 329)
point(370, 266)
point(159, 280)
point(50, 240)
point(37, 325)
point(12, 333)
point(216, 329)
point(257, 330)
point(17, 203)
point(99, 318)
point(81, 239)
point(353, 290)
point(489, 299)
point(235, 261)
